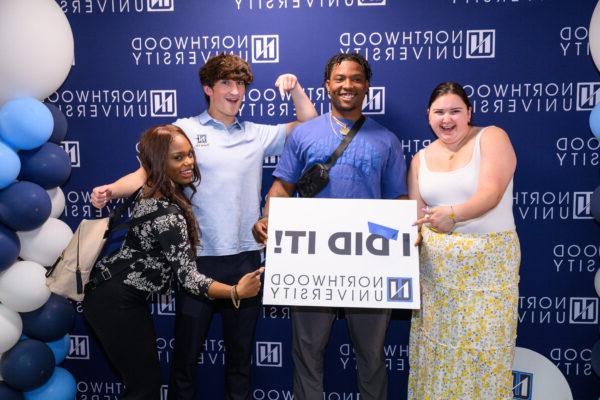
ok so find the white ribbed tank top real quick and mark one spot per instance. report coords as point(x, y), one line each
point(457, 186)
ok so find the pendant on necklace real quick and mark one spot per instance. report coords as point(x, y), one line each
point(451, 157)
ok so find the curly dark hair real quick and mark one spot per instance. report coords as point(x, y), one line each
point(154, 150)
point(337, 60)
point(224, 66)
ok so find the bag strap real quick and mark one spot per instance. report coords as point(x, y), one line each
point(116, 213)
point(345, 142)
point(136, 221)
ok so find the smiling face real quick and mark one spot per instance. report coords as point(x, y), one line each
point(347, 87)
point(180, 160)
point(226, 97)
point(449, 118)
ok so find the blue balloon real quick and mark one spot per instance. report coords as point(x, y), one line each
point(25, 123)
point(60, 386)
point(24, 206)
point(8, 393)
point(10, 165)
point(595, 120)
point(60, 348)
point(51, 321)
point(10, 247)
point(60, 124)
point(27, 365)
point(49, 166)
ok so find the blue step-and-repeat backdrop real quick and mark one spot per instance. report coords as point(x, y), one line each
point(524, 63)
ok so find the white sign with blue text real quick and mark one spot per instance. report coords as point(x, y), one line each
point(342, 253)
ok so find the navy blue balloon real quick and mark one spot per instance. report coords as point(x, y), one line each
point(8, 393)
point(60, 348)
point(10, 247)
point(27, 365)
point(596, 358)
point(595, 204)
point(51, 321)
point(60, 124)
point(60, 386)
point(49, 166)
point(24, 206)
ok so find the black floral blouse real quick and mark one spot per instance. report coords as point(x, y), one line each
point(156, 250)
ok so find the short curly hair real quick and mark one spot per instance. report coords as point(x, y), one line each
point(340, 57)
point(224, 66)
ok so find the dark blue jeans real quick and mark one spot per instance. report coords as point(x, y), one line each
point(193, 318)
point(121, 320)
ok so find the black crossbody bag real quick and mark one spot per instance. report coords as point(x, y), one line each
point(316, 177)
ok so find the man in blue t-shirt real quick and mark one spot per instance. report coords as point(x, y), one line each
point(371, 167)
point(229, 154)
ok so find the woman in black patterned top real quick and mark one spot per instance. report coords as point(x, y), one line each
point(154, 251)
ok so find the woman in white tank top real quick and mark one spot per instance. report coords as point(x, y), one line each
point(462, 340)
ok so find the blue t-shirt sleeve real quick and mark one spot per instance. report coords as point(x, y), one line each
point(290, 165)
point(393, 179)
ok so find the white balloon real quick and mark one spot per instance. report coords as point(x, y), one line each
point(57, 198)
point(23, 286)
point(537, 378)
point(11, 327)
point(597, 282)
point(36, 43)
point(44, 244)
point(594, 36)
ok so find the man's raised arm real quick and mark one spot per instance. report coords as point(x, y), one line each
point(122, 187)
point(305, 110)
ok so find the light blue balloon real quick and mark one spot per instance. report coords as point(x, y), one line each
point(25, 123)
point(595, 120)
point(10, 165)
point(60, 348)
point(60, 386)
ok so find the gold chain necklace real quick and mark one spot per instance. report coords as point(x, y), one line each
point(343, 128)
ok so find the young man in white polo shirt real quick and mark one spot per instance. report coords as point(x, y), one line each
point(229, 154)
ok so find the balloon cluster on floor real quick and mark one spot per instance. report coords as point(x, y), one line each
point(36, 44)
point(594, 39)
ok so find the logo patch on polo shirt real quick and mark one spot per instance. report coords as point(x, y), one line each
point(201, 141)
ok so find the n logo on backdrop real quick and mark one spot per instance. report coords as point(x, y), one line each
point(163, 304)
point(583, 310)
point(581, 205)
point(265, 48)
point(163, 103)
point(80, 347)
point(481, 43)
point(374, 102)
point(71, 147)
point(588, 95)
point(268, 354)
point(161, 5)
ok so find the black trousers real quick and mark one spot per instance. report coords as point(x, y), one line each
point(121, 320)
point(193, 318)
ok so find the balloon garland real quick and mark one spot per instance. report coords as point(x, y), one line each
point(36, 37)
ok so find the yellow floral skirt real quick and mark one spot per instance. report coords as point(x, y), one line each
point(462, 340)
